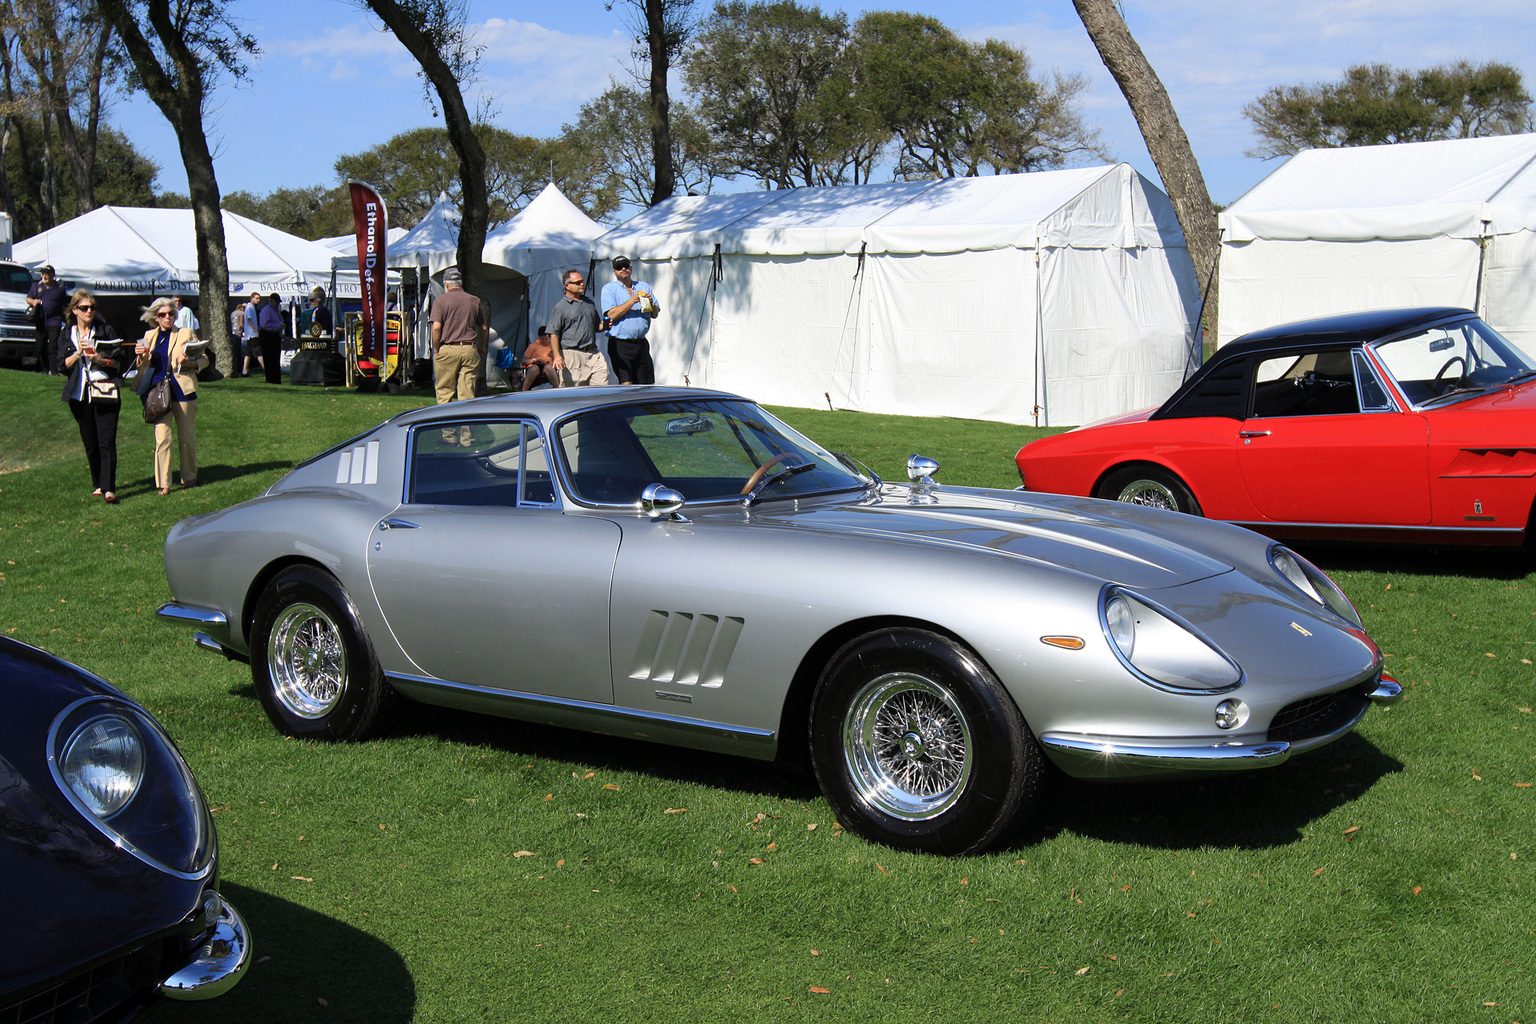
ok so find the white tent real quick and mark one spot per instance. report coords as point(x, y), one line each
point(118, 250)
point(1450, 223)
point(548, 237)
point(1055, 298)
point(346, 245)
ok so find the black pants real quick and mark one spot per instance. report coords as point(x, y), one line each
point(271, 355)
point(98, 432)
point(631, 359)
point(47, 341)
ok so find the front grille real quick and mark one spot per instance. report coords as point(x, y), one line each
point(1318, 716)
point(114, 991)
point(15, 318)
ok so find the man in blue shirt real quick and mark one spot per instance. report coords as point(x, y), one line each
point(631, 305)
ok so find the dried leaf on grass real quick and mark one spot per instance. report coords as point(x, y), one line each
point(821, 991)
point(675, 810)
point(523, 853)
point(1082, 971)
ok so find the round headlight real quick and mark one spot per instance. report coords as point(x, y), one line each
point(103, 763)
point(1313, 582)
point(122, 772)
point(1162, 649)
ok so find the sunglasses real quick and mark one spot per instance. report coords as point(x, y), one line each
point(85, 307)
point(164, 312)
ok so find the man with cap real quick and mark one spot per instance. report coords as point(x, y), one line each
point(631, 305)
point(458, 339)
point(573, 325)
point(48, 296)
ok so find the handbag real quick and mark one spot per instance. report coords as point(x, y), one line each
point(101, 391)
point(157, 401)
point(34, 314)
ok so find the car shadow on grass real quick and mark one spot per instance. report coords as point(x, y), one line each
point(1238, 810)
point(307, 966)
point(748, 775)
point(1477, 563)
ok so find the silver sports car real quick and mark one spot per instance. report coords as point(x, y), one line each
point(680, 566)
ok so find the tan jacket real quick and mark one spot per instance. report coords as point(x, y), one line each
point(186, 379)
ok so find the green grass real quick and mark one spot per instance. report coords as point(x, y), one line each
point(467, 868)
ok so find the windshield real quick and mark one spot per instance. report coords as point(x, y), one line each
point(1466, 358)
point(15, 279)
point(707, 450)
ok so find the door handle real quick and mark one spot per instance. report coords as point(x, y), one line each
point(1252, 433)
point(397, 524)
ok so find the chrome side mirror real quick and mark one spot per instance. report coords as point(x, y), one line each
point(658, 501)
point(920, 470)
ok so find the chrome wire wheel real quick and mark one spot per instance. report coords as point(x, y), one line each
point(906, 745)
point(307, 661)
point(1153, 493)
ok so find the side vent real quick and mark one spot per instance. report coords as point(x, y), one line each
point(685, 649)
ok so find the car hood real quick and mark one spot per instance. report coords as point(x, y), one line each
point(1109, 541)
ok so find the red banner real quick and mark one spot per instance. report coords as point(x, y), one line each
point(371, 221)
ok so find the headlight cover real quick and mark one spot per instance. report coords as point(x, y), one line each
point(120, 770)
point(1161, 649)
point(1313, 582)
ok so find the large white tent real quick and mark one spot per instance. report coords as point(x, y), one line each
point(1449, 223)
point(118, 250)
point(1055, 298)
point(548, 237)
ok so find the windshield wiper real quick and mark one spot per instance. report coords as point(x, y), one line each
point(783, 474)
point(1453, 393)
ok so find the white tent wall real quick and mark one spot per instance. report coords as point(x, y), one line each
point(1274, 281)
point(1115, 334)
point(923, 298)
point(1509, 287)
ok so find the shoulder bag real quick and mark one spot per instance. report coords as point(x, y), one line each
point(157, 401)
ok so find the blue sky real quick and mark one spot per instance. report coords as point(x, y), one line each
point(330, 81)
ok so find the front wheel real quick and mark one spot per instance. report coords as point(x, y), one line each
point(313, 665)
point(918, 746)
point(1151, 486)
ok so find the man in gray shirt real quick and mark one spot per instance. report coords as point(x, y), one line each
point(573, 326)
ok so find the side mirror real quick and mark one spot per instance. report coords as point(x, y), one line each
point(920, 470)
point(658, 501)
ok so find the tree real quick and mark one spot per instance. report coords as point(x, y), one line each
point(661, 29)
point(955, 108)
point(1375, 104)
point(192, 44)
point(314, 211)
point(434, 33)
point(1166, 142)
point(619, 146)
point(762, 74)
point(415, 167)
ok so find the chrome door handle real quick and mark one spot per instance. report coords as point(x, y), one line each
point(1252, 433)
point(397, 524)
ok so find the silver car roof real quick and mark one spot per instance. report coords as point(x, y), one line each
point(550, 404)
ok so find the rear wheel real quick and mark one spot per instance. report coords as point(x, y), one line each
point(1152, 486)
point(313, 665)
point(918, 746)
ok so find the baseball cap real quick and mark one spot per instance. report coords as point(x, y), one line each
point(452, 276)
point(620, 262)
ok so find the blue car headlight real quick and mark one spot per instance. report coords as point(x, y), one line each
point(122, 772)
point(1162, 649)
point(1313, 582)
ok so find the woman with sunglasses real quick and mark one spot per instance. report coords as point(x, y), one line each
point(88, 352)
point(162, 353)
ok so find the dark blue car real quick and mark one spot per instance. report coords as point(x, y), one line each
point(108, 857)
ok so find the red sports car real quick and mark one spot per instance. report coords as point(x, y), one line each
point(1405, 425)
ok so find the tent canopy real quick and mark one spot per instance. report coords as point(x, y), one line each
point(1463, 188)
point(136, 251)
point(1053, 297)
point(1446, 223)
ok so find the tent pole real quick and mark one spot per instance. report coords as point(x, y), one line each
point(1482, 256)
point(1039, 347)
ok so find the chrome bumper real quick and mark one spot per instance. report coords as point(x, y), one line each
point(214, 635)
point(219, 962)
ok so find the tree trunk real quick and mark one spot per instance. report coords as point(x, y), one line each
point(179, 94)
point(661, 103)
point(1165, 138)
point(475, 215)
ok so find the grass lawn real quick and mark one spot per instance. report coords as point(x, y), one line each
point(467, 868)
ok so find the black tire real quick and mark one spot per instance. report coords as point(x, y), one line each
point(1152, 486)
point(313, 664)
point(917, 745)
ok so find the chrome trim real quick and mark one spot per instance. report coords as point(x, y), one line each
point(587, 716)
point(207, 642)
point(393, 523)
point(1142, 756)
point(178, 612)
point(220, 961)
point(1387, 693)
point(1252, 433)
point(1260, 524)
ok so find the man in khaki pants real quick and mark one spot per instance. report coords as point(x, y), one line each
point(458, 339)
